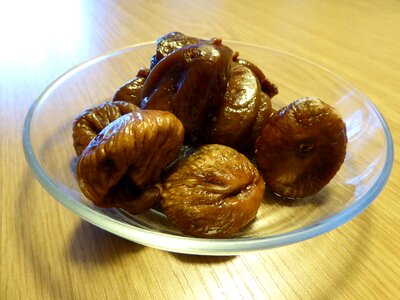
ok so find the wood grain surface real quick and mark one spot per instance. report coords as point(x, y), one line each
point(49, 253)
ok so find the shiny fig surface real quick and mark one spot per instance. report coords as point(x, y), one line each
point(171, 42)
point(266, 85)
point(89, 123)
point(264, 112)
point(301, 148)
point(121, 165)
point(213, 193)
point(238, 109)
point(190, 82)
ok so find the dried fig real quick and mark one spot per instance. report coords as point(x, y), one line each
point(132, 90)
point(88, 124)
point(301, 148)
point(266, 85)
point(268, 90)
point(190, 82)
point(171, 42)
point(119, 167)
point(238, 108)
point(264, 112)
point(245, 108)
point(213, 193)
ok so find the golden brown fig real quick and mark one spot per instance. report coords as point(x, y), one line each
point(132, 90)
point(301, 148)
point(119, 167)
point(213, 193)
point(88, 124)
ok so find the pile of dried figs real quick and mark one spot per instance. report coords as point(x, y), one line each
point(184, 132)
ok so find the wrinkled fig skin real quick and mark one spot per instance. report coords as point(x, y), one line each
point(301, 148)
point(119, 167)
point(88, 124)
point(190, 82)
point(213, 193)
point(171, 42)
point(132, 90)
point(266, 85)
point(238, 109)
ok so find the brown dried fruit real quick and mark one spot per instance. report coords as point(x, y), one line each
point(119, 167)
point(301, 148)
point(245, 108)
point(268, 90)
point(266, 85)
point(238, 108)
point(88, 124)
point(132, 90)
point(264, 112)
point(171, 42)
point(213, 193)
point(190, 82)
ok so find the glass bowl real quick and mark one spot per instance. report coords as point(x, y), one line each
point(47, 139)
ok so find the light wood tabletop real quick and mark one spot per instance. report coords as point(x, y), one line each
point(47, 252)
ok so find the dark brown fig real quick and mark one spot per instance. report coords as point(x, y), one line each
point(132, 90)
point(238, 109)
point(245, 109)
point(213, 193)
point(268, 90)
point(171, 42)
point(89, 123)
point(301, 148)
point(264, 112)
point(121, 166)
point(190, 82)
point(266, 85)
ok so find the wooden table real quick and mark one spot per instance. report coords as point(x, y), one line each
point(49, 253)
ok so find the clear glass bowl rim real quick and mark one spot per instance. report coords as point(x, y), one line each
point(190, 245)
